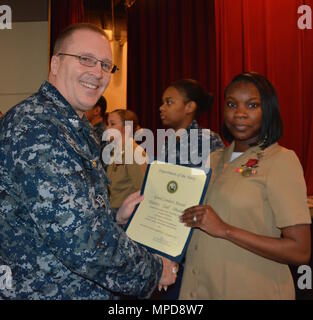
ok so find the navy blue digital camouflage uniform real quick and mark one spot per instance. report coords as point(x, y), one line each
point(57, 229)
point(215, 143)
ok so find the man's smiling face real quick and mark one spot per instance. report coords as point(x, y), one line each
point(81, 85)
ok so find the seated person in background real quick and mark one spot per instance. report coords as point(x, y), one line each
point(255, 220)
point(125, 178)
point(183, 101)
point(96, 117)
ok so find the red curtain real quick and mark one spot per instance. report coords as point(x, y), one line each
point(64, 13)
point(263, 36)
point(168, 40)
point(212, 41)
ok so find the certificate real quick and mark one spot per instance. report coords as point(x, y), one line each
point(168, 190)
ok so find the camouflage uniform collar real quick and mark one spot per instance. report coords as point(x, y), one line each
point(52, 93)
point(193, 125)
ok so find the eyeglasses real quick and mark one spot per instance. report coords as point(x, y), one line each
point(88, 61)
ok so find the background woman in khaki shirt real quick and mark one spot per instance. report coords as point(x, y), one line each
point(256, 220)
point(125, 178)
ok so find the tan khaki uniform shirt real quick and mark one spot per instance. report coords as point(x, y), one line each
point(125, 179)
point(273, 198)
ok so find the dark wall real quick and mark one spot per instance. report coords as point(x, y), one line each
point(30, 10)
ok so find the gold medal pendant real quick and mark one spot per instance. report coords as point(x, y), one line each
point(249, 169)
point(247, 172)
point(94, 163)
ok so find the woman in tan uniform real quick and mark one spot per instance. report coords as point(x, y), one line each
point(126, 178)
point(255, 221)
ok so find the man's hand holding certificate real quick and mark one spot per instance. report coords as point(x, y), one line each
point(168, 190)
point(170, 268)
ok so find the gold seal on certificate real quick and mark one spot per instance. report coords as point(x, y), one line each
point(168, 189)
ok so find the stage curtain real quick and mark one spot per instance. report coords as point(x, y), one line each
point(63, 14)
point(168, 40)
point(263, 36)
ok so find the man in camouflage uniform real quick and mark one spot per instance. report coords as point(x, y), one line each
point(57, 230)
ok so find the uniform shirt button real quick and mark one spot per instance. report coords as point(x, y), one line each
point(192, 295)
point(194, 272)
point(196, 247)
